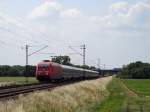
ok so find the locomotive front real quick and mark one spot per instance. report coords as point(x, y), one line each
point(43, 71)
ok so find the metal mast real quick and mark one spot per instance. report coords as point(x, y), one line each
point(27, 58)
point(26, 69)
point(83, 47)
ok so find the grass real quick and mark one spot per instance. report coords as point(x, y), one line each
point(6, 81)
point(79, 97)
point(138, 104)
point(126, 96)
point(139, 86)
point(115, 101)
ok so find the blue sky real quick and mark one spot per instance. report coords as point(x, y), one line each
point(116, 31)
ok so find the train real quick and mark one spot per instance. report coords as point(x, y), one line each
point(50, 71)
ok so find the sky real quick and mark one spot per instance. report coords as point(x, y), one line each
point(114, 31)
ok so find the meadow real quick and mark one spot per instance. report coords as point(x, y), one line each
point(8, 81)
point(126, 95)
point(78, 97)
point(139, 86)
point(114, 102)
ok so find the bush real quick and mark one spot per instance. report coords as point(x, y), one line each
point(16, 70)
point(137, 70)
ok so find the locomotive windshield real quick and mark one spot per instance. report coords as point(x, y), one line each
point(43, 67)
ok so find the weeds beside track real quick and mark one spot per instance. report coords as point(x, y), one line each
point(11, 92)
point(77, 97)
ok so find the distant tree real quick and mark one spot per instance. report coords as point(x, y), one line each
point(4, 70)
point(78, 66)
point(93, 68)
point(19, 69)
point(13, 72)
point(16, 70)
point(31, 71)
point(65, 60)
point(85, 67)
point(137, 70)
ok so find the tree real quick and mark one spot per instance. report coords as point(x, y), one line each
point(13, 72)
point(137, 70)
point(65, 60)
point(85, 66)
point(16, 70)
point(4, 70)
point(93, 68)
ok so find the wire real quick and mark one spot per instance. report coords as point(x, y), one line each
point(12, 38)
point(2, 42)
point(28, 30)
point(75, 50)
point(38, 50)
point(14, 33)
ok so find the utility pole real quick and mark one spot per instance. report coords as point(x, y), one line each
point(104, 66)
point(81, 54)
point(84, 54)
point(27, 58)
point(98, 64)
point(83, 47)
point(26, 69)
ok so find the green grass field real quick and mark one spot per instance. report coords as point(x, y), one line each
point(18, 80)
point(115, 101)
point(139, 86)
point(134, 99)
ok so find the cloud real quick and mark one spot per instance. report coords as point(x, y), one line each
point(121, 17)
point(139, 13)
point(124, 16)
point(70, 13)
point(119, 7)
point(45, 8)
point(52, 7)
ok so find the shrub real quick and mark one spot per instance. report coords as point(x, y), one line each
point(137, 70)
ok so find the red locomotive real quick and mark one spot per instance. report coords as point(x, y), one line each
point(48, 71)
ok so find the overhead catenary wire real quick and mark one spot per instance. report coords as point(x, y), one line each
point(12, 36)
point(81, 54)
point(18, 35)
point(32, 32)
point(28, 30)
point(20, 23)
point(3, 43)
point(76, 52)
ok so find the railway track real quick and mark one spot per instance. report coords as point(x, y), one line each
point(12, 92)
point(8, 93)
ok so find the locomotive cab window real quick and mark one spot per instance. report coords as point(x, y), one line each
point(43, 67)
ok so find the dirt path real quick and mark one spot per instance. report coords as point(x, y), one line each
point(128, 92)
point(130, 103)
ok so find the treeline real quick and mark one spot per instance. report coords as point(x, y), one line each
point(17, 70)
point(137, 70)
point(66, 60)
